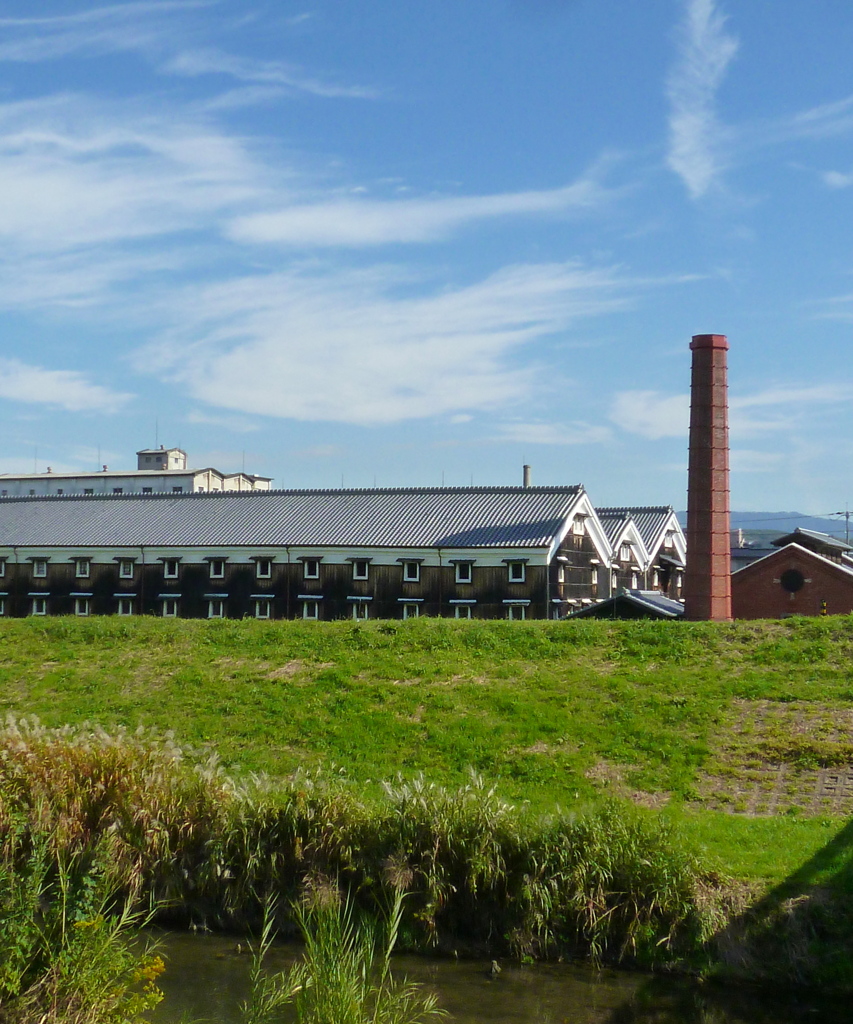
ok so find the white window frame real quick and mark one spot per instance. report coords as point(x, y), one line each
point(311, 569)
point(171, 568)
point(411, 610)
point(311, 610)
point(356, 574)
point(39, 606)
point(634, 581)
point(625, 552)
point(411, 572)
point(82, 606)
point(579, 526)
point(561, 573)
point(263, 569)
point(516, 572)
point(125, 606)
point(516, 612)
point(463, 611)
point(263, 608)
point(125, 568)
point(464, 572)
point(2, 606)
point(39, 568)
point(2, 566)
point(216, 568)
point(360, 610)
point(170, 608)
point(216, 608)
point(83, 568)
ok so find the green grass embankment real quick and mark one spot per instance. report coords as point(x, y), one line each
point(738, 735)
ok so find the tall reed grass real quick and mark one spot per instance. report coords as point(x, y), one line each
point(209, 849)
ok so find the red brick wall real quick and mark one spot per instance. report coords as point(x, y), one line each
point(757, 592)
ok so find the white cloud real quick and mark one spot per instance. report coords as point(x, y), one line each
point(655, 415)
point(697, 139)
point(64, 389)
point(347, 349)
point(211, 61)
point(345, 222)
point(835, 179)
point(651, 414)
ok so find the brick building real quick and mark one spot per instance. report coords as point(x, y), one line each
point(792, 581)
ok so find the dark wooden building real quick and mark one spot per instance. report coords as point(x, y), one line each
point(479, 552)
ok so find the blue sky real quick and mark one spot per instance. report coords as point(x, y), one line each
point(402, 243)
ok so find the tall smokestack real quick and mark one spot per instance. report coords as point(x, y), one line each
point(707, 579)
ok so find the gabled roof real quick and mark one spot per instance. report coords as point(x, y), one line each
point(633, 604)
point(813, 540)
point(652, 521)
point(779, 555)
point(457, 517)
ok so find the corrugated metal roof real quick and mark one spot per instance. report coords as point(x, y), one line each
point(650, 520)
point(470, 517)
point(612, 521)
point(653, 603)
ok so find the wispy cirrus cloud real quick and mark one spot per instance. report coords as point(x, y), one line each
point(348, 348)
point(655, 415)
point(63, 389)
point(154, 31)
point(364, 222)
point(697, 139)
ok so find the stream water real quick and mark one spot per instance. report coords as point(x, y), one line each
point(207, 977)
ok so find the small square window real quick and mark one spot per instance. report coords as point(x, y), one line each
point(516, 572)
point(360, 609)
point(125, 568)
point(412, 572)
point(177, 490)
point(463, 611)
point(40, 568)
point(263, 568)
point(464, 572)
point(310, 609)
point(311, 569)
point(82, 571)
point(263, 609)
point(216, 609)
point(118, 490)
point(32, 492)
point(39, 606)
point(59, 490)
point(170, 608)
point(147, 490)
point(81, 605)
point(360, 570)
point(411, 610)
point(88, 490)
point(125, 606)
point(217, 568)
point(170, 568)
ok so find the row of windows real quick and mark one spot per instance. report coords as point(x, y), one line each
point(516, 571)
point(217, 608)
point(91, 490)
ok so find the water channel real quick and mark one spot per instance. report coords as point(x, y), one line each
point(207, 977)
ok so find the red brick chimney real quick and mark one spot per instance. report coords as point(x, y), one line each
point(707, 579)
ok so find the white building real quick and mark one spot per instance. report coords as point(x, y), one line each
point(159, 471)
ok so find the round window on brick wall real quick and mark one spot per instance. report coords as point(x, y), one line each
point(792, 580)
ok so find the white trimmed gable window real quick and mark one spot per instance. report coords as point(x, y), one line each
point(263, 568)
point(411, 572)
point(217, 568)
point(39, 572)
point(125, 568)
point(170, 568)
point(516, 572)
point(464, 572)
point(83, 567)
point(311, 569)
point(361, 571)
point(625, 552)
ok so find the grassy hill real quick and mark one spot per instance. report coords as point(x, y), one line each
point(742, 732)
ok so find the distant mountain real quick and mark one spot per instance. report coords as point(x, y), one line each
point(780, 523)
